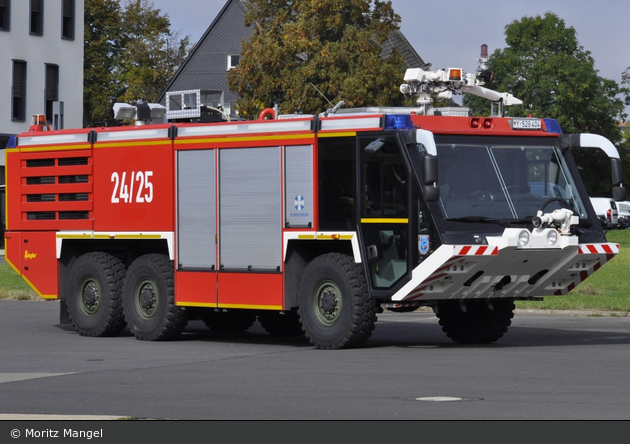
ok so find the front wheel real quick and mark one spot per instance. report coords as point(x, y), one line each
point(149, 299)
point(477, 322)
point(335, 309)
point(94, 295)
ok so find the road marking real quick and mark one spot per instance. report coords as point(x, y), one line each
point(445, 399)
point(439, 398)
point(36, 417)
point(14, 377)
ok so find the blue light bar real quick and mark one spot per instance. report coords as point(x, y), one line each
point(553, 126)
point(398, 122)
point(12, 143)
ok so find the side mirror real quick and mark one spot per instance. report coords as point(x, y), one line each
point(431, 193)
point(617, 171)
point(430, 171)
point(619, 193)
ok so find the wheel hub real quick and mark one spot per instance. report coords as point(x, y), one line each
point(90, 298)
point(328, 303)
point(147, 300)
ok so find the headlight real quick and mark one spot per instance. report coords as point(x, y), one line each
point(552, 237)
point(523, 238)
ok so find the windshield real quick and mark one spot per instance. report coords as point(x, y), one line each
point(503, 181)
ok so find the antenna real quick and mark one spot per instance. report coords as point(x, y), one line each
point(321, 93)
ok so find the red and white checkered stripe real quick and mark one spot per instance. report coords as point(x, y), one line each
point(598, 249)
point(609, 250)
point(459, 251)
point(475, 250)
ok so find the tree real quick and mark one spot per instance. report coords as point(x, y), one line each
point(625, 85)
point(130, 55)
point(544, 66)
point(102, 48)
point(151, 54)
point(310, 54)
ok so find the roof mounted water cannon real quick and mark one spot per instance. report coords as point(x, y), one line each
point(560, 219)
point(440, 85)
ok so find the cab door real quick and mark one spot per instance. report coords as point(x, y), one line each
point(385, 201)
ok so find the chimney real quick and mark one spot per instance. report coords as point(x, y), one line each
point(484, 51)
point(483, 58)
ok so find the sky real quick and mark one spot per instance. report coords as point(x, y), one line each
point(450, 34)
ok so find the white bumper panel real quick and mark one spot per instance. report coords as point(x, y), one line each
point(504, 270)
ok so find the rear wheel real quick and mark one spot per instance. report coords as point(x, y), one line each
point(483, 322)
point(94, 295)
point(335, 309)
point(149, 299)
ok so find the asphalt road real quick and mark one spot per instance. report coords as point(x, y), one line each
point(546, 367)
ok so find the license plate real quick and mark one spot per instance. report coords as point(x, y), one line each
point(526, 124)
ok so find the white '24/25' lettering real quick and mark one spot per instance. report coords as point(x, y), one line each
point(139, 181)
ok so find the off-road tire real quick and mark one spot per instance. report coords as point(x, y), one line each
point(335, 309)
point(94, 295)
point(149, 299)
point(481, 323)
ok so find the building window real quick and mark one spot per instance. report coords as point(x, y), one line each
point(18, 93)
point(67, 20)
point(232, 61)
point(52, 90)
point(37, 17)
point(5, 15)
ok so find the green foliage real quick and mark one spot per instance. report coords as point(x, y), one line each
point(130, 55)
point(625, 85)
point(544, 66)
point(102, 48)
point(607, 290)
point(12, 286)
point(300, 47)
point(152, 53)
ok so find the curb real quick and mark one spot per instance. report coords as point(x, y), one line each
point(537, 311)
point(601, 313)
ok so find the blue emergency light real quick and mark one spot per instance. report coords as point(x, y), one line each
point(398, 122)
point(553, 126)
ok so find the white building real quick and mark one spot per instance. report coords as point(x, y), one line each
point(41, 67)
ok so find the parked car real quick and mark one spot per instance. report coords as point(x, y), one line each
point(623, 209)
point(606, 210)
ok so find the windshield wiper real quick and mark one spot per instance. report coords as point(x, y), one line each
point(483, 219)
point(478, 219)
point(525, 220)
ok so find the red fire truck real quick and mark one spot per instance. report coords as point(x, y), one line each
point(308, 224)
